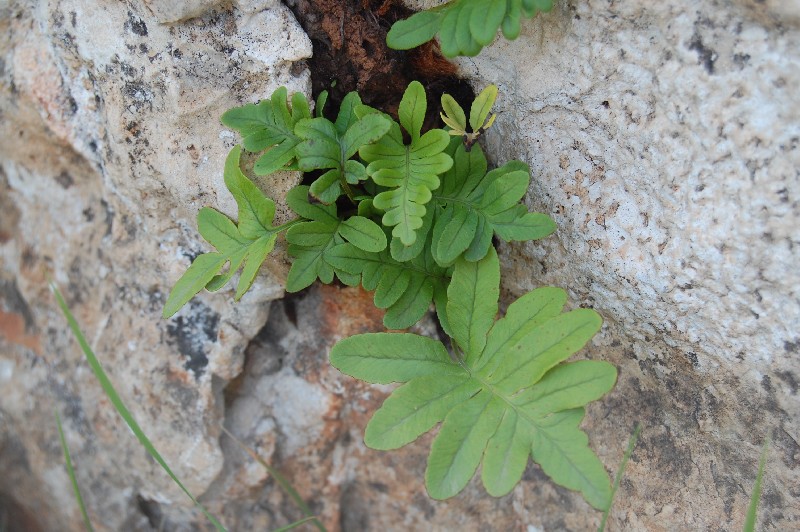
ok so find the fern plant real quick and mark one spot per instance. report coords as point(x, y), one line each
point(464, 27)
point(412, 216)
point(310, 241)
point(479, 119)
point(503, 396)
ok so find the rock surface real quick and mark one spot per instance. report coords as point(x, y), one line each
point(111, 144)
point(662, 139)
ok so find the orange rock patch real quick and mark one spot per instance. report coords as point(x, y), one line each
point(12, 328)
point(348, 311)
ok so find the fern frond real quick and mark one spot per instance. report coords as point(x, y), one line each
point(404, 289)
point(410, 172)
point(247, 244)
point(329, 145)
point(311, 240)
point(464, 26)
point(509, 397)
point(472, 205)
point(269, 125)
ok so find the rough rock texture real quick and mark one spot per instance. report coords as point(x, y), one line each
point(663, 139)
point(111, 143)
point(319, 443)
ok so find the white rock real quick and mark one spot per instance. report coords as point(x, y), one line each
point(112, 143)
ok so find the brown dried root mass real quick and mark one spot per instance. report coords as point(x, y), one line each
point(350, 53)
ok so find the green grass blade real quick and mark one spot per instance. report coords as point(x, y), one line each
point(750, 520)
point(620, 472)
point(291, 526)
point(123, 411)
point(283, 483)
point(72, 478)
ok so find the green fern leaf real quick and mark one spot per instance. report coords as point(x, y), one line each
point(414, 31)
point(269, 125)
point(486, 18)
point(363, 233)
point(329, 145)
point(453, 115)
point(471, 205)
point(410, 172)
point(532, 7)
point(510, 396)
point(403, 253)
point(311, 240)
point(472, 303)
point(247, 244)
point(404, 289)
point(464, 26)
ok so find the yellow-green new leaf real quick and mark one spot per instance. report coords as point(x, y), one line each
point(453, 115)
point(482, 105)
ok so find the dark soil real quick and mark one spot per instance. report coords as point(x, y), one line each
point(349, 40)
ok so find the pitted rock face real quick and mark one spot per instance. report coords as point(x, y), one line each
point(169, 12)
point(664, 141)
point(666, 144)
point(112, 143)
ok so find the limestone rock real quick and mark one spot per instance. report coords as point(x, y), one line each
point(111, 144)
point(663, 140)
point(169, 12)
